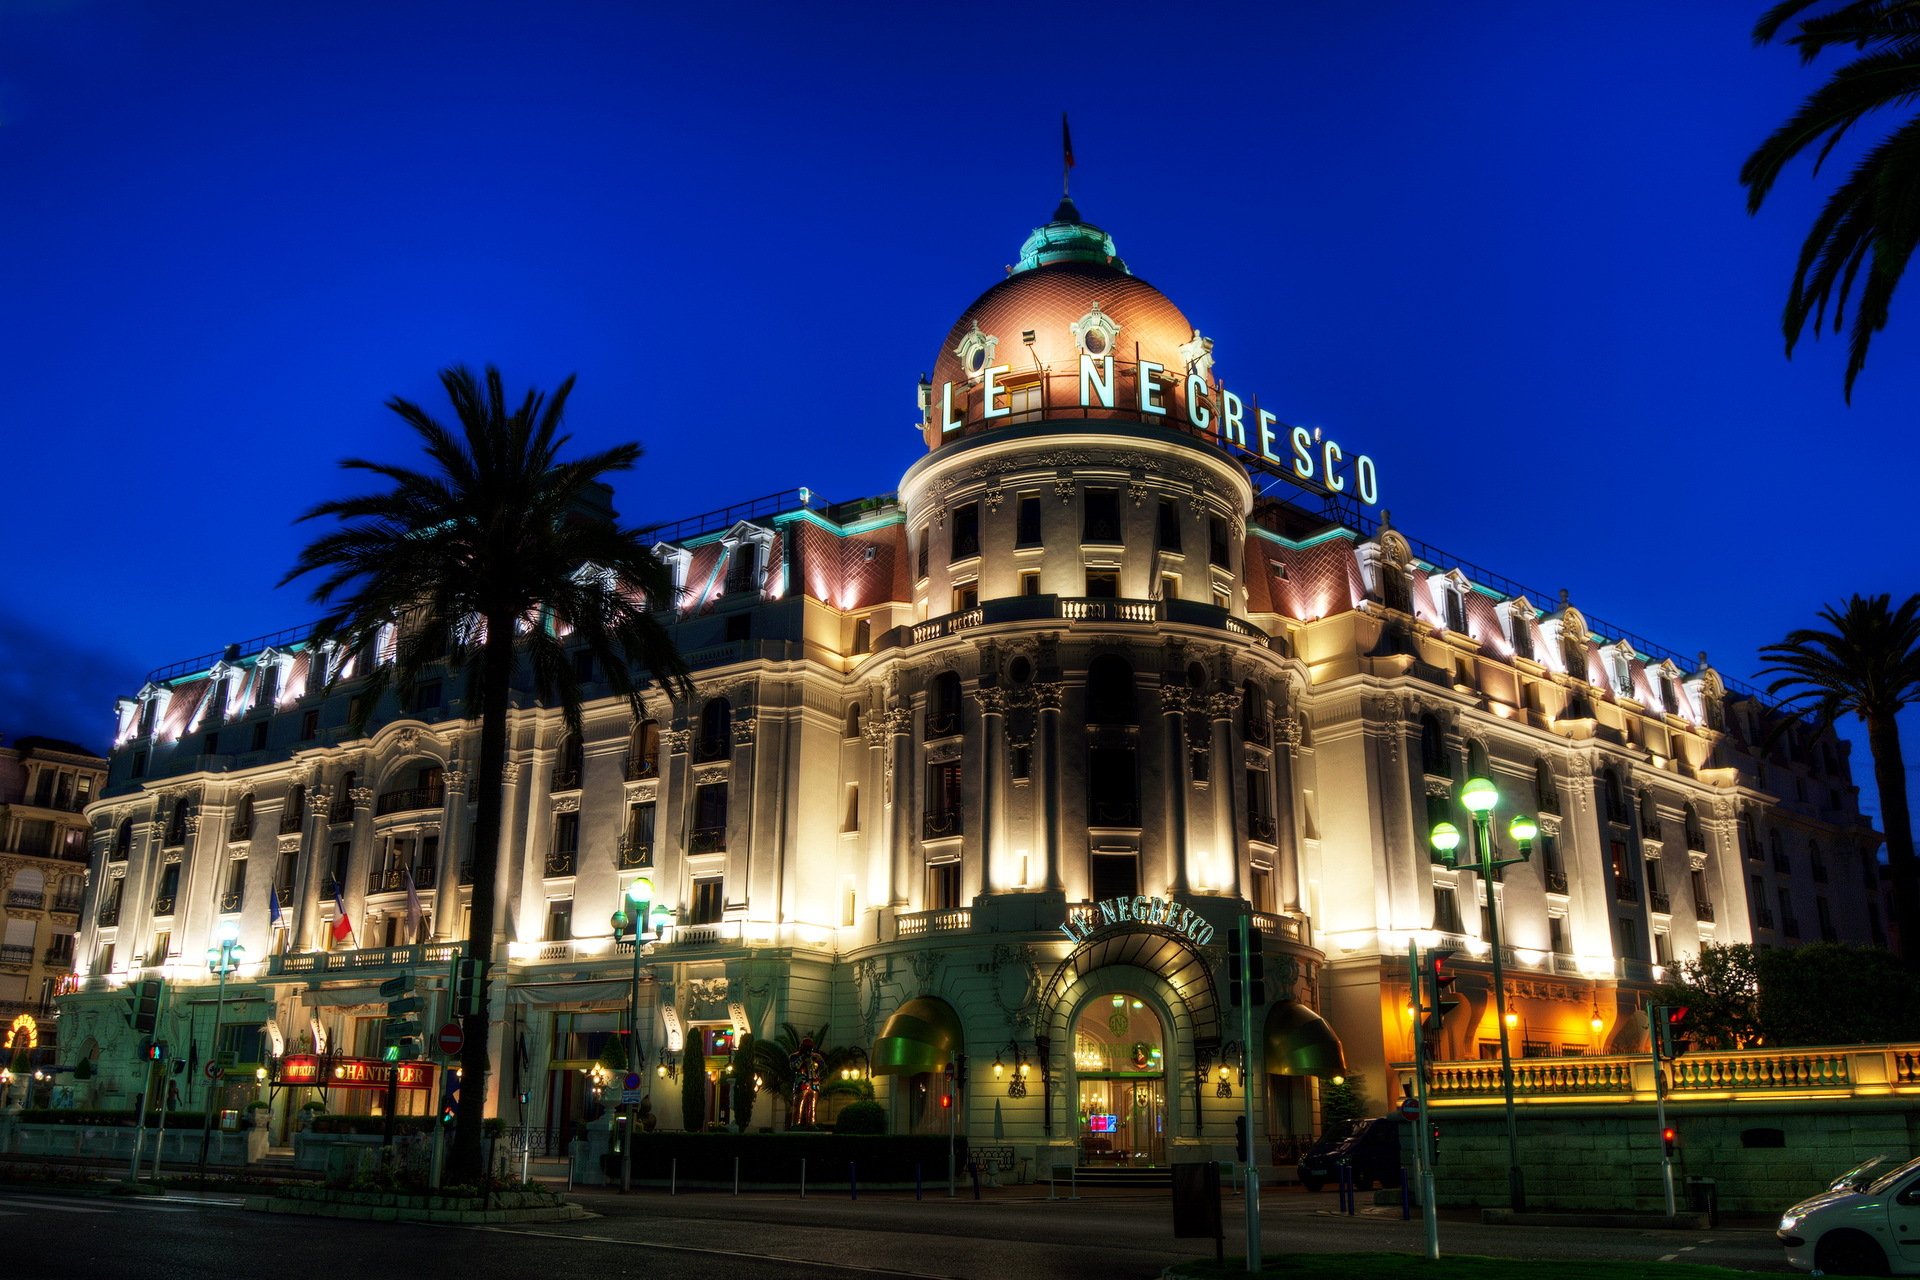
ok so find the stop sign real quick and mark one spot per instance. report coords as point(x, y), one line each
point(451, 1039)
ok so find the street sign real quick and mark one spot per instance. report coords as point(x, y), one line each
point(452, 1040)
point(1410, 1108)
point(400, 1008)
point(397, 986)
point(215, 1071)
point(633, 1080)
point(630, 1097)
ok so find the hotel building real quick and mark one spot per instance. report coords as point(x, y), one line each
point(981, 774)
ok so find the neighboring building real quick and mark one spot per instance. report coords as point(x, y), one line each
point(45, 786)
point(948, 748)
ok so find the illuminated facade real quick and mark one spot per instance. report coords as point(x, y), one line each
point(990, 767)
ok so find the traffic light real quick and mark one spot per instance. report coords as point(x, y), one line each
point(449, 1097)
point(1676, 1035)
point(1240, 1139)
point(1246, 970)
point(1440, 1000)
point(470, 991)
point(1434, 1137)
point(1667, 1137)
point(153, 1051)
point(145, 1010)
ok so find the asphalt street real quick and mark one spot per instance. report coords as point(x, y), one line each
point(1102, 1236)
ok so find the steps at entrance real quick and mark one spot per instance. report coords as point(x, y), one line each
point(1114, 1176)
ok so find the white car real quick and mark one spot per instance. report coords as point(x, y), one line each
point(1858, 1227)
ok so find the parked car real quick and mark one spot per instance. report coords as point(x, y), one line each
point(1858, 1227)
point(1372, 1150)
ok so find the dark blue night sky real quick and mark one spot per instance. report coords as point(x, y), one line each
point(1500, 247)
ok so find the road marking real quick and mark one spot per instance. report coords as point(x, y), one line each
point(1668, 1257)
point(842, 1268)
point(56, 1206)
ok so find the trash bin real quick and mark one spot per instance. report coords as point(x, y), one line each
point(1703, 1197)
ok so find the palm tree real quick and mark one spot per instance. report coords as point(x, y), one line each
point(1868, 221)
point(497, 551)
point(1867, 665)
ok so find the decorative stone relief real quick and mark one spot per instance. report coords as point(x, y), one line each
point(362, 797)
point(873, 727)
point(1221, 706)
point(995, 497)
point(677, 741)
point(192, 824)
point(706, 775)
point(569, 803)
point(407, 738)
point(1650, 849)
point(1173, 699)
point(899, 721)
point(992, 700)
point(1137, 491)
point(743, 730)
point(1063, 488)
point(290, 844)
point(926, 964)
point(1696, 860)
point(1049, 694)
point(945, 751)
point(510, 771)
point(320, 800)
point(1287, 731)
point(455, 781)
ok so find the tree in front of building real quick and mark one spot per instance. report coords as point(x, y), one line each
point(1866, 664)
point(693, 1085)
point(1720, 990)
point(1342, 1103)
point(746, 1081)
point(496, 553)
point(1866, 232)
point(1827, 993)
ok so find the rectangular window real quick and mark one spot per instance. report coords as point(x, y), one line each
point(1261, 887)
point(1029, 582)
point(162, 942)
point(1027, 533)
point(849, 906)
point(943, 800)
point(559, 919)
point(236, 885)
point(640, 834)
point(310, 724)
point(1630, 935)
point(1169, 586)
point(850, 818)
point(943, 886)
point(105, 963)
point(1217, 543)
point(1103, 584)
point(1522, 636)
point(1222, 598)
point(1114, 874)
point(1168, 530)
point(583, 665)
point(1456, 611)
point(210, 744)
point(709, 818)
point(709, 900)
point(966, 531)
point(337, 868)
point(1662, 947)
point(1020, 761)
point(743, 567)
point(566, 838)
point(1446, 909)
point(426, 696)
point(269, 688)
point(966, 596)
point(1557, 936)
point(139, 769)
point(926, 536)
point(1101, 516)
point(259, 741)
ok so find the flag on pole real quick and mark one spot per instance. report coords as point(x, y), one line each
point(273, 907)
point(342, 927)
point(1066, 151)
point(413, 910)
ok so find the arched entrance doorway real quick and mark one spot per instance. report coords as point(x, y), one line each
point(1120, 1064)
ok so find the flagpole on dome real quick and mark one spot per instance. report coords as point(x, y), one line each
point(1066, 155)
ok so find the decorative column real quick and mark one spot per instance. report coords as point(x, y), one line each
point(319, 860)
point(1225, 784)
point(453, 838)
point(993, 768)
point(900, 791)
point(740, 805)
point(1173, 713)
point(1047, 697)
point(1286, 739)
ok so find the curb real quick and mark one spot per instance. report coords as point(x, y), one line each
point(395, 1213)
point(1643, 1221)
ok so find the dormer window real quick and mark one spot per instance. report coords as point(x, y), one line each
point(1451, 588)
point(1518, 617)
point(749, 550)
point(1619, 663)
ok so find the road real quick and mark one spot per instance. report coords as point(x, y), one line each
point(1102, 1236)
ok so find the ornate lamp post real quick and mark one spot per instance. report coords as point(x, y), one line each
point(1479, 798)
point(222, 959)
point(630, 920)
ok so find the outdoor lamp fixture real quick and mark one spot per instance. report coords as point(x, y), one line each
point(222, 959)
point(1479, 798)
point(1223, 1089)
point(1595, 1021)
point(630, 923)
point(1017, 1085)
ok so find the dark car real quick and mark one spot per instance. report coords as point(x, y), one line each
point(1372, 1150)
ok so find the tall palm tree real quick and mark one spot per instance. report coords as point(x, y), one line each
point(1870, 220)
point(484, 558)
point(1867, 665)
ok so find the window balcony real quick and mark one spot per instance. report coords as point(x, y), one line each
point(707, 840)
point(342, 810)
point(944, 725)
point(425, 875)
point(240, 831)
point(407, 799)
point(1556, 881)
point(117, 853)
point(163, 906)
point(707, 750)
point(1625, 890)
point(1259, 730)
point(1114, 813)
point(916, 924)
point(633, 855)
point(58, 957)
point(229, 903)
point(565, 780)
point(561, 862)
point(1261, 827)
point(11, 955)
point(938, 824)
point(26, 898)
point(285, 894)
point(109, 916)
point(638, 768)
point(1660, 901)
point(387, 880)
point(67, 906)
point(363, 959)
point(1703, 911)
point(290, 823)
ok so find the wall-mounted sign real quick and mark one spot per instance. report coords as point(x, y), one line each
point(1165, 913)
point(24, 1033)
point(351, 1073)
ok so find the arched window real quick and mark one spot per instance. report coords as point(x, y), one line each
point(853, 722)
point(242, 818)
point(1696, 835)
point(1649, 815)
point(343, 798)
point(566, 763)
point(1616, 796)
point(1546, 792)
point(1253, 714)
point(1433, 748)
point(1477, 765)
point(123, 840)
point(943, 706)
point(643, 750)
point(1110, 692)
point(716, 730)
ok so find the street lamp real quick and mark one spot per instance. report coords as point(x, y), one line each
point(222, 959)
point(630, 920)
point(1479, 797)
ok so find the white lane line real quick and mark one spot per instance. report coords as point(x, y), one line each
point(56, 1207)
point(1668, 1257)
point(843, 1268)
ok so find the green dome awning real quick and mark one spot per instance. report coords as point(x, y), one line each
point(922, 1035)
point(1300, 1043)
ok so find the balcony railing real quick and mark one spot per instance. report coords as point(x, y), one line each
point(117, 852)
point(1703, 910)
point(707, 840)
point(425, 875)
point(1260, 827)
point(388, 880)
point(58, 957)
point(1073, 609)
point(241, 830)
point(109, 915)
point(229, 902)
point(565, 780)
point(363, 958)
point(342, 810)
point(1625, 890)
point(638, 768)
point(560, 862)
point(633, 854)
point(290, 823)
point(1660, 901)
point(25, 898)
point(1556, 881)
point(409, 798)
point(12, 954)
point(67, 906)
point(937, 824)
point(916, 924)
point(285, 894)
point(710, 749)
point(163, 906)
point(1114, 813)
point(1790, 926)
point(1259, 730)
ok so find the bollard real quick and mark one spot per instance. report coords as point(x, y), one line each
point(916, 1180)
point(1406, 1195)
point(853, 1183)
point(736, 1175)
point(673, 1179)
point(803, 1177)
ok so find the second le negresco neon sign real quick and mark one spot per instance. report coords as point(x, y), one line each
point(1204, 408)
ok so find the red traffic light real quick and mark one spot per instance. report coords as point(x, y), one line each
point(946, 1099)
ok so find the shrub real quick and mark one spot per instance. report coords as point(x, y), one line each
point(861, 1117)
point(693, 1084)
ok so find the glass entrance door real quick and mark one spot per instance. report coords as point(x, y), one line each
point(1120, 1068)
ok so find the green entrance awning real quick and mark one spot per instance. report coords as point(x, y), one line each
point(922, 1035)
point(1300, 1043)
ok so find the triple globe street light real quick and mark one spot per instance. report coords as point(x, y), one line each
point(222, 959)
point(1479, 798)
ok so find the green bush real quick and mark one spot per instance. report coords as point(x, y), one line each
point(693, 1083)
point(861, 1117)
point(375, 1125)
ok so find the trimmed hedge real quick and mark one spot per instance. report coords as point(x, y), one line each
point(776, 1157)
point(108, 1119)
point(375, 1125)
